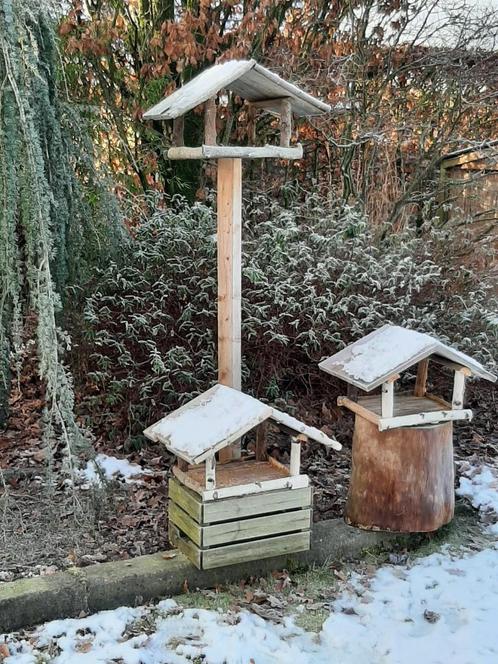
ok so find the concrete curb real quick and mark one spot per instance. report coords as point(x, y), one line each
point(130, 582)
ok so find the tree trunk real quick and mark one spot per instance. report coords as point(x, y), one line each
point(402, 479)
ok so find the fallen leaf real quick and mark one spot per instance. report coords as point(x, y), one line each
point(431, 616)
point(169, 555)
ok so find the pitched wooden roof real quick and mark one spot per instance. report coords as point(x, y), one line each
point(243, 77)
point(216, 419)
point(368, 362)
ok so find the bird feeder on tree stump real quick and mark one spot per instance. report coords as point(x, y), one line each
point(403, 473)
point(245, 510)
point(210, 511)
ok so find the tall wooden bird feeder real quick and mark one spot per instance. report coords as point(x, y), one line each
point(403, 476)
point(251, 507)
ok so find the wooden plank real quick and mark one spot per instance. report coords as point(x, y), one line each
point(207, 84)
point(421, 381)
point(185, 546)
point(256, 550)
point(236, 152)
point(387, 399)
point(404, 404)
point(256, 487)
point(458, 390)
point(186, 499)
point(454, 366)
point(229, 237)
point(261, 437)
point(261, 526)
point(299, 427)
point(432, 417)
point(178, 127)
point(359, 410)
point(185, 523)
point(285, 122)
point(258, 504)
point(439, 400)
point(210, 134)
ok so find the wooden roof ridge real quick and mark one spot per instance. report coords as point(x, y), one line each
point(217, 418)
point(389, 350)
point(246, 78)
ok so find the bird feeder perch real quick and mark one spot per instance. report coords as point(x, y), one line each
point(249, 509)
point(402, 477)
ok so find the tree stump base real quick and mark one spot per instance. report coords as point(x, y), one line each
point(402, 479)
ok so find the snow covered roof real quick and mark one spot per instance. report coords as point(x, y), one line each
point(368, 362)
point(243, 77)
point(216, 419)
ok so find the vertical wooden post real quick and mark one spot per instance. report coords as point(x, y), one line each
point(388, 399)
point(261, 433)
point(420, 383)
point(285, 122)
point(178, 125)
point(211, 472)
point(458, 390)
point(210, 134)
point(229, 280)
point(295, 458)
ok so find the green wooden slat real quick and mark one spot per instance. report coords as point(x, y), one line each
point(253, 505)
point(185, 523)
point(255, 550)
point(273, 524)
point(186, 499)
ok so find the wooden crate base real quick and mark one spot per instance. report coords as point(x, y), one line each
point(235, 530)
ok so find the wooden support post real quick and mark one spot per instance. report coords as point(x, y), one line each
point(388, 399)
point(210, 133)
point(211, 472)
point(261, 432)
point(458, 390)
point(229, 280)
point(285, 122)
point(421, 382)
point(295, 458)
point(178, 125)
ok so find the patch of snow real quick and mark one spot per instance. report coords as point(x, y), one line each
point(221, 414)
point(442, 609)
point(480, 485)
point(111, 468)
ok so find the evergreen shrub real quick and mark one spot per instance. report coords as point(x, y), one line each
point(315, 278)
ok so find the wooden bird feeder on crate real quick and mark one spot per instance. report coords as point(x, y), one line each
point(252, 508)
point(403, 476)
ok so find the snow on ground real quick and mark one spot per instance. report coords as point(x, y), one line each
point(111, 468)
point(480, 485)
point(443, 608)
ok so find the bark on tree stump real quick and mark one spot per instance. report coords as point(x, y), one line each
point(402, 479)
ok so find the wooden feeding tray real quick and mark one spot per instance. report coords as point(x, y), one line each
point(253, 508)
